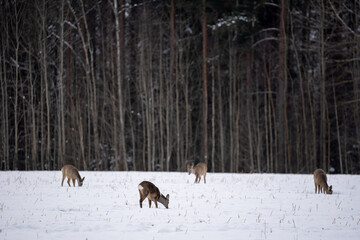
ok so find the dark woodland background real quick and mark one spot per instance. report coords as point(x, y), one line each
point(150, 85)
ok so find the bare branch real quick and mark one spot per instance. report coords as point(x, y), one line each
point(341, 20)
point(265, 39)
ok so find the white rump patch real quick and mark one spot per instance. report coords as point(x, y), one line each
point(140, 187)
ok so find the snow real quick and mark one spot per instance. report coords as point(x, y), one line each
point(33, 205)
point(229, 21)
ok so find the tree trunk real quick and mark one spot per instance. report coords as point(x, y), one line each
point(213, 115)
point(120, 93)
point(33, 118)
point(16, 125)
point(161, 99)
point(178, 128)
point(231, 105)
point(61, 115)
point(205, 94)
point(248, 110)
point(338, 130)
point(267, 119)
point(322, 89)
point(5, 112)
point(281, 97)
point(220, 119)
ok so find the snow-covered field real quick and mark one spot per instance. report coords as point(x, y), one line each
point(33, 205)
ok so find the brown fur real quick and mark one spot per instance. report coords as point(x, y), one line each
point(320, 181)
point(150, 191)
point(71, 173)
point(199, 170)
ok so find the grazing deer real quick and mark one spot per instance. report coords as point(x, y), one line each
point(150, 191)
point(71, 172)
point(320, 181)
point(199, 170)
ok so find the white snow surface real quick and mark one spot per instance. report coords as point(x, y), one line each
point(33, 205)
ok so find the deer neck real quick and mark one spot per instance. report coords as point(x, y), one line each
point(162, 200)
point(78, 176)
point(324, 185)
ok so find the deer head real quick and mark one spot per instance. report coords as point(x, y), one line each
point(164, 200)
point(81, 180)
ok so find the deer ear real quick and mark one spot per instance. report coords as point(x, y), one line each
point(330, 187)
point(167, 197)
point(83, 179)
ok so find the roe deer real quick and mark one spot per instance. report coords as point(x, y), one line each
point(71, 172)
point(199, 170)
point(320, 181)
point(150, 191)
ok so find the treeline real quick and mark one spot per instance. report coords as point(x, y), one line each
point(246, 86)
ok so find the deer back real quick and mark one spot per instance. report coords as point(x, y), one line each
point(148, 189)
point(320, 176)
point(70, 171)
point(199, 170)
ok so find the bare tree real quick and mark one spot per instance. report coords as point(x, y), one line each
point(4, 97)
point(204, 79)
point(61, 109)
point(282, 90)
point(120, 92)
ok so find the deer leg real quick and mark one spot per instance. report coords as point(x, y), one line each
point(149, 203)
point(68, 181)
point(73, 182)
point(62, 182)
point(205, 178)
point(141, 199)
point(156, 204)
point(315, 188)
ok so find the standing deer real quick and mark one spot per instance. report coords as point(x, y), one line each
point(320, 181)
point(71, 173)
point(150, 191)
point(199, 170)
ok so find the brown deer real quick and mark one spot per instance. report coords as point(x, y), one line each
point(150, 191)
point(320, 181)
point(71, 173)
point(199, 170)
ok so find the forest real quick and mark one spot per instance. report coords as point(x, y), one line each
point(267, 86)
